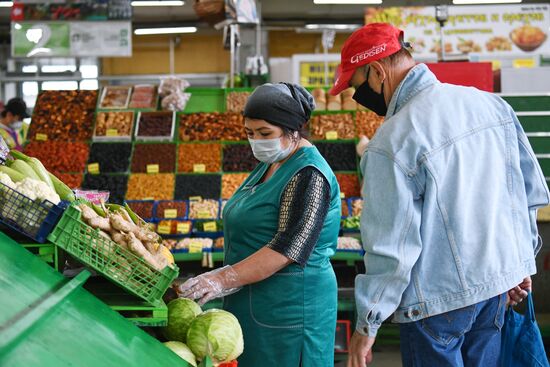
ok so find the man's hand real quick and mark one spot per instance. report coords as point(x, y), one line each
point(362, 145)
point(519, 293)
point(360, 350)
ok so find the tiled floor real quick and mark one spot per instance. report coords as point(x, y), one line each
point(384, 356)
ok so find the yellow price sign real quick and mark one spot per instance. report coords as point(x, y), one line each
point(163, 229)
point(199, 168)
point(195, 247)
point(332, 135)
point(170, 213)
point(183, 228)
point(524, 63)
point(342, 195)
point(204, 214)
point(210, 227)
point(111, 132)
point(41, 137)
point(152, 168)
point(195, 198)
point(93, 168)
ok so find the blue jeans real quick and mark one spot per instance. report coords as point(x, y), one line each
point(468, 337)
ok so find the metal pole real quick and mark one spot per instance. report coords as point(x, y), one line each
point(232, 51)
point(442, 43)
point(172, 56)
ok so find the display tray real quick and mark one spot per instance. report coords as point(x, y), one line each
point(115, 97)
point(205, 100)
point(140, 134)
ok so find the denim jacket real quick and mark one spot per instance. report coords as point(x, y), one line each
point(451, 189)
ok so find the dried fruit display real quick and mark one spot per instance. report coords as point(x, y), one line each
point(174, 227)
point(231, 182)
point(212, 126)
point(111, 157)
point(59, 156)
point(154, 187)
point(349, 184)
point(236, 101)
point(155, 125)
point(206, 186)
point(356, 206)
point(340, 156)
point(73, 180)
point(163, 155)
point(63, 115)
point(345, 208)
point(367, 123)
point(144, 96)
point(342, 124)
point(115, 97)
point(204, 209)
point(114, 124)
point(115, 184)
point(179, 208)
point(196, 157)
point(238, 158)
point(144, 209)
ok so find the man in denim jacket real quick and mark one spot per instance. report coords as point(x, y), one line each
point(451, 189)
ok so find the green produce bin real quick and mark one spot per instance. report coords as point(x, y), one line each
point(47, 320)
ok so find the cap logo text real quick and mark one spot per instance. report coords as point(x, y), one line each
point(368, 53)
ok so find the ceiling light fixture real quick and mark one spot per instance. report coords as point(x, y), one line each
point(6, 4)
point(347, 2)
point(333, 26)
point(169, 30)
point(472, 2)
point(157, 3)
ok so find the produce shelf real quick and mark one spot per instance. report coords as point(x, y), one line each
point(186, 256)
point(45, 251)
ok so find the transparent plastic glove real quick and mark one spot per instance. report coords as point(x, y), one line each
point(362, 145)
point(208, 286)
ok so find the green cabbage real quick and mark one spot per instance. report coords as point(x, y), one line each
point(181, 312)
point(217, 334)
point(183, 351)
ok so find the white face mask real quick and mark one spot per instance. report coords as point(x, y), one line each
point(269, 150)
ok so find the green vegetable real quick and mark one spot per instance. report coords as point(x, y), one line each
point(135, 218)
point(64, 192)
point(14, 175)
point(183, 351)
point(217, 334)
point(35, 164)
point(181, 313)
point(23, 168)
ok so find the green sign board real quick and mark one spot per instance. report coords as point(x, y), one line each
point(41, 39)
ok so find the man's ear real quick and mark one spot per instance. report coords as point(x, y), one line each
point(379, 71)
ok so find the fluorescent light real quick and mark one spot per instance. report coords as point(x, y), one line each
point(333, 26)
point(157, 3)
point(143, 31)
point(469, 2)
point(347, 2)
point(6, 4)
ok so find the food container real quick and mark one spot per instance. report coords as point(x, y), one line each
point(144, 96)
point(114, 126)
point(155, 126)
point(115, 97)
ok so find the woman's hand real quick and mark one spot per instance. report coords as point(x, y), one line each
point(208, 286)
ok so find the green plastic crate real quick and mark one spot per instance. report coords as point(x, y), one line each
point(109, 259)
point(205, 100)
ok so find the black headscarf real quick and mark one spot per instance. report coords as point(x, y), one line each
point(283, 104)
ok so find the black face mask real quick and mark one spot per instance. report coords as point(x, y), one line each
point(366, 96)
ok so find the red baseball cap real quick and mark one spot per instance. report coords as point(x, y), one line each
point(370, 43)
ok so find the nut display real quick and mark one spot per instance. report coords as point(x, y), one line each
point(144, 96)
point(73, 180)
point(63, 115)
point(349, 184)
point(236, 101)
point(345, 208)
point(204, 209)
point(173, 226)
point(206, 186)
point(59, 156)
point(340, 156)
point(155, 187)
point(119, 123)
point(144, 209)
point(341, 123)
point(218, 243)
point(115, 184)
point(111, 157)
point(356, 207)
point(320, 97)
point(191, 156)
point(155, 124)
point(212, 126)
point(163, 155)
point(238, 158)
point(348, 243)
point(184, 243)
point(231, 182)
point(367, 123)
point(179, 206)
point(115, 97)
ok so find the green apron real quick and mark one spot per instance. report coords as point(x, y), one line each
point(289, 318)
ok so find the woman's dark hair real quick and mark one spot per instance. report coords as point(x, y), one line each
point(303, 133)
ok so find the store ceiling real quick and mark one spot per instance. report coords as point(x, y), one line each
point(274, 12)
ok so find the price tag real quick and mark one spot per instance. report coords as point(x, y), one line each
point(195, 247)
point(210, 227)
point(332, 135)
point(523, 63)
point(183, 228)
point(199, 168)
point(195, 198)
point(41, 137)
point(111, 132)
point(204, 214)
point(342, 195)
point(152, 168)
point(93, 168)
point(170, 213)
point(163, 229)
